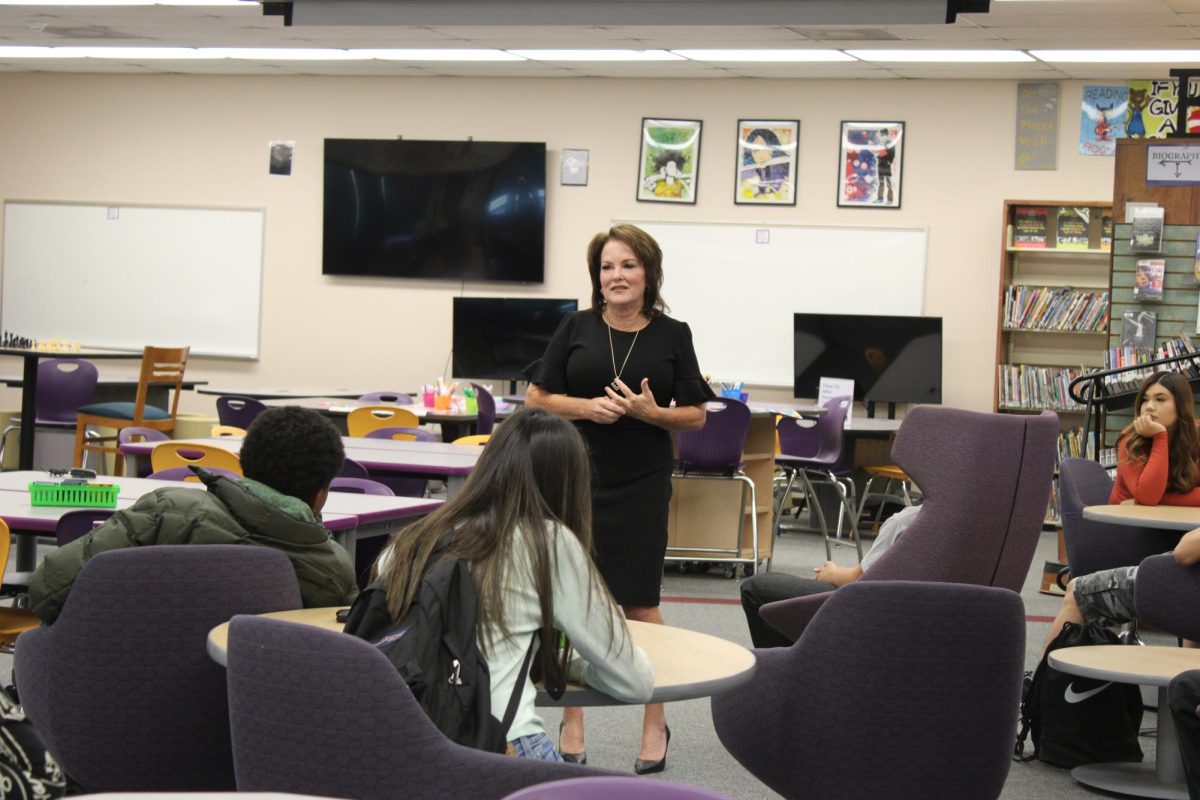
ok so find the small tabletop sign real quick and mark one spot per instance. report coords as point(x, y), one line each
point(830, 388)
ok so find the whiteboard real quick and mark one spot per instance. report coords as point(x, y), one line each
point(738, 294)
point(125, 277)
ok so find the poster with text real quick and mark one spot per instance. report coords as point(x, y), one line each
point(1102, 119)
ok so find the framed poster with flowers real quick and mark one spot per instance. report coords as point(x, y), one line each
point(870, 164)
point(766, 162)
point(669, 161)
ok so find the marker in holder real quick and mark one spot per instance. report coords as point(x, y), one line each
point(428, 398)
point(735, 394)
point(442, 402)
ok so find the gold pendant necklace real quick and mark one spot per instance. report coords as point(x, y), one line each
point(612, 354)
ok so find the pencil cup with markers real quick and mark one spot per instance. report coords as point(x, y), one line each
point(443, 395)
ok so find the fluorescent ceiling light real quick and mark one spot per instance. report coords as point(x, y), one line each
point(942, 56)
point(444, 54)
point(132, 53)
point(247, 3)
point(780, 56)
point(1118, 56)
point(34, 52)
point(282, 53)
point(597, 55)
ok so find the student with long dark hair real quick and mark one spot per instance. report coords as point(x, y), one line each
point(522, 522)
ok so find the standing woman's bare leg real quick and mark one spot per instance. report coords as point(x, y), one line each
point(654, 723)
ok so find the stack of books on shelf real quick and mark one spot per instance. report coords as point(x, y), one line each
point(1032, 229)
point(1052, 514)
point(1118, 357)
point(1071, 444)
point(1034, 388)
point(1054, 309)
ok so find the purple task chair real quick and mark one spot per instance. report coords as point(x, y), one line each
point(127, 435)
point(920, 682)
point(63, 386)
point(158, 722)
point(373, 736)
point(815, 450)
point(360, 486)
point(396, 398)
point(986, 480)
point(487, 409)
point(1093, 546)
point(626, 788)
point(715, 451)
point(238, 411)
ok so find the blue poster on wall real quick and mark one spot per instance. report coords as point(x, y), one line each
point(1102, 120)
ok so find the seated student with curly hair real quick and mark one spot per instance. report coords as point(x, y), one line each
point(289, 457)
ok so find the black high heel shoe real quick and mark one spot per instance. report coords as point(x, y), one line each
point(571, 758)
point(644, 766)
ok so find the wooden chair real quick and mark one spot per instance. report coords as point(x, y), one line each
point(365, 419)
point(160, 365)
point(474, 439)
point(178, 454)
point(13, 621)
point(226, 430)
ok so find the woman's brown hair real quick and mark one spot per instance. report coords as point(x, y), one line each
point(647, 251)
point(1183, 471)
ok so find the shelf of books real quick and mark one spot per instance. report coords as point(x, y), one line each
point(1054, 307)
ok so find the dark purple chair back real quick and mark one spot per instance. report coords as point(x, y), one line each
point(924, 708)
point(418, 434)
point(396, 398)
point(829, 434)
point(352, 469)
point(127, 435)
point(1094, 546)
point(1168, 594)
point(344, 724)
point(717, 447)
point(238, 411)
point(627, 788)
point(186, 473)
point(121, 687)
point(986, 482)
point(487, 409)
point(359, 486)
point(798, 436)
point(74, 524)
point(64, 386)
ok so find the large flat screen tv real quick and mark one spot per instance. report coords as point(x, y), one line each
point(497, 337)
point(890, 359)
point(426, 209)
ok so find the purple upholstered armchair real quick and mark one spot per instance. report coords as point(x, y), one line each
point(896, 689)
point(986, 480)
point(120, 686)
point(322, 713)
point(1167, 596)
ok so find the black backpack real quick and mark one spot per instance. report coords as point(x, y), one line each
point(435, 651)
point(27, 770)
point(1078, 720)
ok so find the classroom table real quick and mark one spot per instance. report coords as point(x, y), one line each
point(118, 388)
point(687, 664)
point(455, 422)
point(284, 393)
point(349, 517)
point(449, 462)
point(30, 358)
point(1154, 666)
point(1174, 518)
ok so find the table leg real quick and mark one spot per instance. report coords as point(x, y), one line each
point(1164, 780)
point(28, 410)
point(453, 484)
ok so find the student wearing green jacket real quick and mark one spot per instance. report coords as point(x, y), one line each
point(289, 457)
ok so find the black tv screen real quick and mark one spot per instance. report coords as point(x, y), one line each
point(497, 337)
point(890, 359)
point(426, 209)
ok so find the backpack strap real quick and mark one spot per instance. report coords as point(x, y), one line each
point(510, 713)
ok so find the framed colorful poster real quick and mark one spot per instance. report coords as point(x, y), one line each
point(669, 161)
point(766, 162)
point(870, 164)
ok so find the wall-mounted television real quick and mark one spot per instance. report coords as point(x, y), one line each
point(497, 337)
point(431, 209)
point(890, 359)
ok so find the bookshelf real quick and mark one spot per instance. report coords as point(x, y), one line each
point(1053, 314)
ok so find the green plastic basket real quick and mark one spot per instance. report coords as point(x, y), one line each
point(89, 495)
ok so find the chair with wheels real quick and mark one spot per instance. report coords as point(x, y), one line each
point(64, 385)
point(160, 366)
point(193, 454)
point(365, 419)
point(146, 710)
point(403, 434)
point(487, 409)
point(127, 435)
point(372, 737)
point(238, 411)
point(715, 453)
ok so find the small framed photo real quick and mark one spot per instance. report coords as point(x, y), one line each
point(281, 157)
point(574, 168)
point(766, 162)
point(669, 160)
point(870, 164)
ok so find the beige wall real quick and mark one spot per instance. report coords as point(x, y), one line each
point(201, 140)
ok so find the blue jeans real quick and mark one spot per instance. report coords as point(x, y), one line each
point(535, 745)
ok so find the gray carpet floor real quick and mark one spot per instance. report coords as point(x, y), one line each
point(697, 757)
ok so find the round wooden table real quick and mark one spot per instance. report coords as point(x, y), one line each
point(687, 664)
point(1176, 518)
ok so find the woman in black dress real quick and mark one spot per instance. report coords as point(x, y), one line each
point(615, 369)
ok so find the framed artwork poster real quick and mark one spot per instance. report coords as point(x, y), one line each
point(870, 164)
point(766, 162)
point(669, 160)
